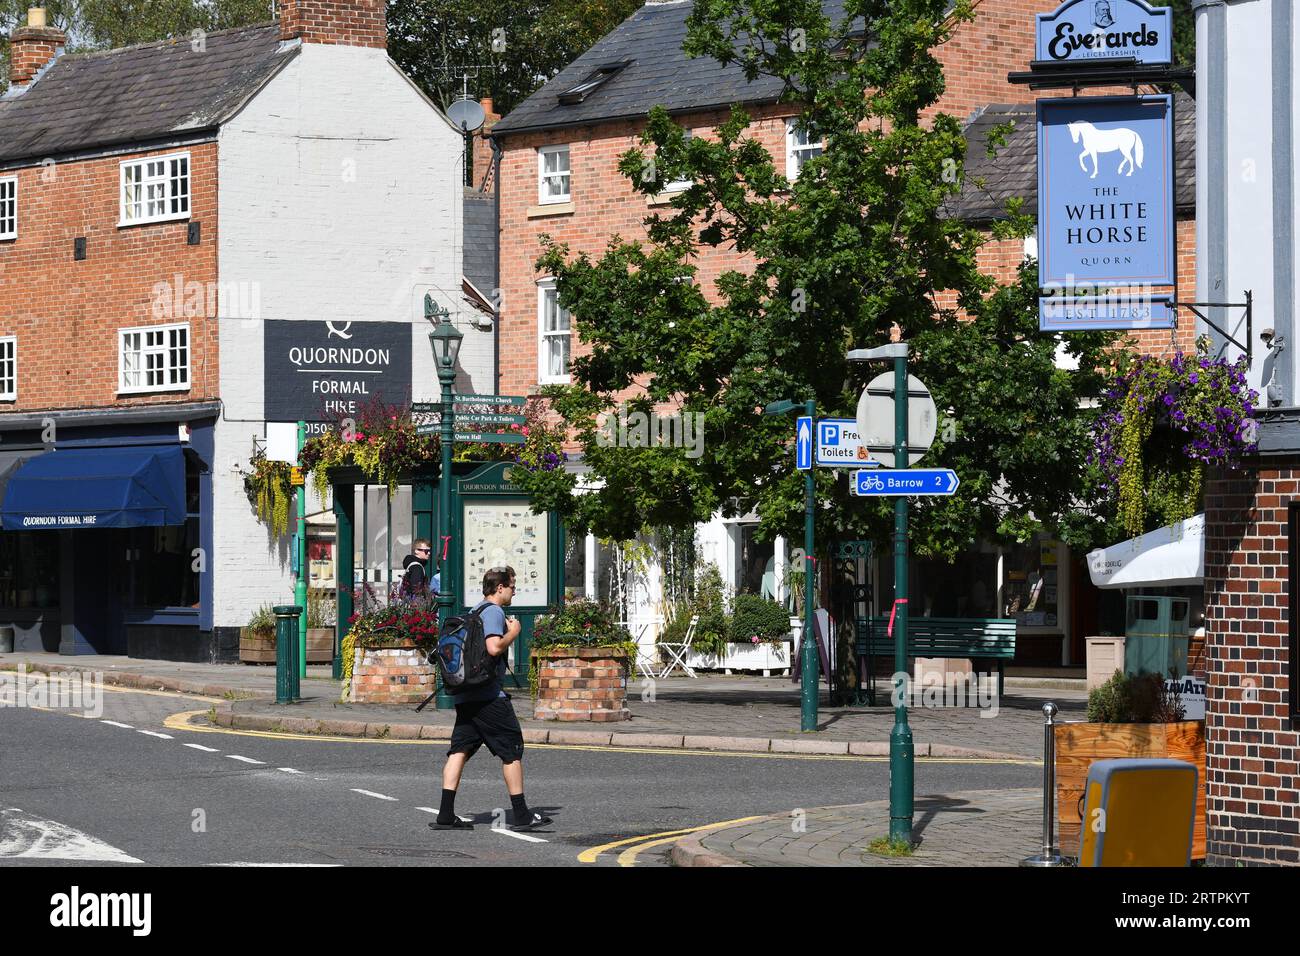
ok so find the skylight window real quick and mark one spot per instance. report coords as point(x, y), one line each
point(594, 81)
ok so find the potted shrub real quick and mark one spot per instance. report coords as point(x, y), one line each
point(1128, 716)
point(581, 657)
point(257, 639)
point(386, 654)
point(712, 627)
point(759, 636)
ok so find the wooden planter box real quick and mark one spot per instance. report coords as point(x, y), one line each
point(1079, 744)
point(581, 683)
point(258, 648)
point(394, 674)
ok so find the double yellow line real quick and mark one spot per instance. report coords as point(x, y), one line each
point(635, 845)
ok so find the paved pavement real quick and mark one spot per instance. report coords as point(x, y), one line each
point(967, 828)
point(719, 713)
point(129, 782)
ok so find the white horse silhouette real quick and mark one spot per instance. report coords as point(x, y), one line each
point(1096, 141)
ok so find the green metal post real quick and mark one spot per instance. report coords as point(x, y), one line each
point(286, 653)
point(809, 664)
point(300, 594)
point(446, 376)
point(901, 750)
point(345, 500)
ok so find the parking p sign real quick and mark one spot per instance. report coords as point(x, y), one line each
point(838, 444)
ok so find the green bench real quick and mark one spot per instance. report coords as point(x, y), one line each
point(972, 638)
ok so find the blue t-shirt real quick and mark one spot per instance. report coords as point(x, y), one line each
point(494, 624)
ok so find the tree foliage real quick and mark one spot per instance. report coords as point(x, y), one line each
point(856, 249)
point(521, 44)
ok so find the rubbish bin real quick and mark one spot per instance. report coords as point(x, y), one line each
point(6, 639)
point(1156, 634)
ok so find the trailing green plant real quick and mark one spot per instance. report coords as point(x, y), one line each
point(757, 620)
point(1163, 422)
point(269, 487)
point(1134, 699)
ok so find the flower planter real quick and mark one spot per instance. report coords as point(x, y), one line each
point(1078, 744)
point(746, 657)
point(256, 647)
point(581, 684)
point(396, 673)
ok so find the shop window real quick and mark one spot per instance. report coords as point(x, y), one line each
point(755, 564)
point(1030, 584)
point(29, 570)
point(161, 563)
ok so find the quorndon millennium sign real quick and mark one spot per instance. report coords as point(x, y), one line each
point(1105, 29)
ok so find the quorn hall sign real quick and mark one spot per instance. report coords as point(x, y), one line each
point(326, 371)
point(1094, 30)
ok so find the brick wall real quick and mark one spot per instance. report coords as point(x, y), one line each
point(343, 22)
point(1253, 746)
point(66, 314)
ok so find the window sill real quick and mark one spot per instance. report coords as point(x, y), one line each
point(666, 197)
point(152, 391)
point(551, 209)
point(181, 616)
point(129, 223)
point(555, 380)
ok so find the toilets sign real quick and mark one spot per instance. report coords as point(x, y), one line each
point(1105, 193)
point(1105, 29)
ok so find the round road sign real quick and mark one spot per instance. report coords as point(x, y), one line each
point(876, 419)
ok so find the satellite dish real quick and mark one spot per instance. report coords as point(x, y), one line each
point(466, 114)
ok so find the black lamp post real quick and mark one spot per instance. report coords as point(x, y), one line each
point(445, 340)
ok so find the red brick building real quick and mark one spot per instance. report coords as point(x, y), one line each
point(558, 176)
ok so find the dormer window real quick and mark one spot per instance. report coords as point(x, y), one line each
point(594, 81)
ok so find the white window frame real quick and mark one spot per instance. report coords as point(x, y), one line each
point(9, 355)
point(680, 185)
point(543, 198)
point(9, 198)
point(794, 150)
point(176, 189)
point(176, 377)
point(545, 290)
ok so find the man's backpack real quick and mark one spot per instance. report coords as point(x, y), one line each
point(409, 591)
point(462, 653)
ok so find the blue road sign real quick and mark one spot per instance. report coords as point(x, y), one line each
point(838, 445)
point(907, 481)
point(803, 443)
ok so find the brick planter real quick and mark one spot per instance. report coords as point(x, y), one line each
point(581, 683)
point(397, 674)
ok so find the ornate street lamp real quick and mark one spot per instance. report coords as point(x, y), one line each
point(445, 341)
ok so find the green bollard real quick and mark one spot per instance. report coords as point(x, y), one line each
point(286, 653)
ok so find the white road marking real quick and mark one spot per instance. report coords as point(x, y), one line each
point(371, 793)
point(245, 759)
point(206, 750)
point(154, 733)
point(519, 836)
point(247, 863)
point(25, 836)
point(114, 723)
point(288, 770)
point(427, 809)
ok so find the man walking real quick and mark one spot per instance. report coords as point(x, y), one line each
point(484, 716)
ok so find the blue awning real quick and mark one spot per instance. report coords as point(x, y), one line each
point(120, 487)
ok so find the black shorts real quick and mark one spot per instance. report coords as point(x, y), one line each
point(491, 722)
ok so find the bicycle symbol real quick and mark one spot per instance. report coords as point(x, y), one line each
point(873, 483)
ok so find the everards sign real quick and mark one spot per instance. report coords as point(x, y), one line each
point(1105, 29)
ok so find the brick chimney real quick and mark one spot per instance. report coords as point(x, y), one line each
point(32, 47)
point(483, 147)
point(339, 22)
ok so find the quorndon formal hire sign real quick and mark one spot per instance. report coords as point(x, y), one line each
point(324, 371)
point(1106, 192)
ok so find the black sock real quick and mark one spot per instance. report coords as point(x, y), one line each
point(520, 806)
point(447, 809)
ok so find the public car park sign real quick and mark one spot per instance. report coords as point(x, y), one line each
point(1093, 30)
